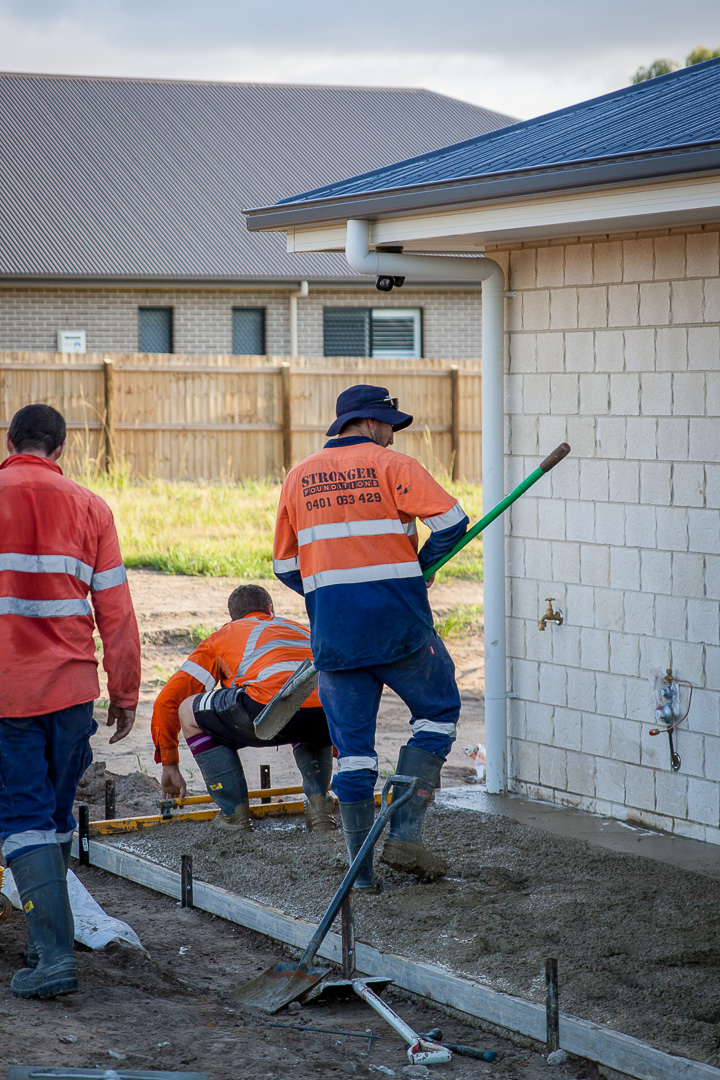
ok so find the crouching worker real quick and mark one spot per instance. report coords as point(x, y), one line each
point(251, 657)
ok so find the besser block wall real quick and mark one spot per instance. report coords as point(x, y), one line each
point(614, 346)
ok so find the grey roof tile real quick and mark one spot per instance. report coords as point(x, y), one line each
point(137, 178)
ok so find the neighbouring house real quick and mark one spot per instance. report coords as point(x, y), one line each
point(121, 226)
point(602, 221)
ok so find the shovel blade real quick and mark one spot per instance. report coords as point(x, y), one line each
point(278, 986)
point(278, 712)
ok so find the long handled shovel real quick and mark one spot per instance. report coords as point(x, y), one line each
point(302, 682)
point(284, 981)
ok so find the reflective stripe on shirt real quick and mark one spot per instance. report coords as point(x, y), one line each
point(286, 566)
point(200, 673)
point(275, 669)
point(411, 528)
point(357, 574)
point(340, 530)
point(46, 564)
point(447, 520)
point(354, 764)
point(262, 650)
point(43, 609)
point(257, 631)
point(108, 579)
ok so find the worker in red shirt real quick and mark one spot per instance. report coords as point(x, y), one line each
point(57, 544)
point(346, 539)
point(251, 656)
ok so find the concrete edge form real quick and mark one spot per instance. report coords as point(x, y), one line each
point(601, 1045)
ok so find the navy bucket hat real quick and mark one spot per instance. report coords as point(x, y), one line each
point(365, 402)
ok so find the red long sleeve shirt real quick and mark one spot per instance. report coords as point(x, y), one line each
point(57, 543)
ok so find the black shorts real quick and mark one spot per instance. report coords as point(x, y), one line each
point(228, 714)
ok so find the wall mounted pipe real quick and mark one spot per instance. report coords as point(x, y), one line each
point(294, 296)
point(451, 268)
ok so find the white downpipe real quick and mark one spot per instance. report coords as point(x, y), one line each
point(450, 268)
point(301, 292)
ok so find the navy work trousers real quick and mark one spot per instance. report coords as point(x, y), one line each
point(42, 759)
point(425, 681)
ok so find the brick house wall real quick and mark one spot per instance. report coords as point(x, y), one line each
point(614, 345)
point(202, 318)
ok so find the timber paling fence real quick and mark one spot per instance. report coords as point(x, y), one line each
point(225, 418)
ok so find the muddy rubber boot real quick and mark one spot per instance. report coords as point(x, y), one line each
point(31, 955)
point(315, 765)
point(404, 849)
point(226, 784)
point(357, 821)
point(40, 876)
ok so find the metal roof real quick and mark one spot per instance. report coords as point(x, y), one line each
point(137, 179)
point(670, 116)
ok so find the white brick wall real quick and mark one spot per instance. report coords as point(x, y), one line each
point(614, 345)
point(31, 317)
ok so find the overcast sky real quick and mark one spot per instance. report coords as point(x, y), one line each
point(523, 57)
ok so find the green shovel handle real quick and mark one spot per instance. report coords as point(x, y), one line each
point(544, 467)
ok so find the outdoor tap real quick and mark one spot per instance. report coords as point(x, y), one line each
point(550, 615)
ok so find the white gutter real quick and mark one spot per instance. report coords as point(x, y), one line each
point(301, 292)
point(449, 268)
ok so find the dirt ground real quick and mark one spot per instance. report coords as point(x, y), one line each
point(172, 1010)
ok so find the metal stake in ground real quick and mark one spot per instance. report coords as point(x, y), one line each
point(265, 780)
point(110, 798)
point(186, 881)
point(552, 1010)
point(84, 835)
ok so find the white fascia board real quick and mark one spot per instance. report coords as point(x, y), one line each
point(618, 209)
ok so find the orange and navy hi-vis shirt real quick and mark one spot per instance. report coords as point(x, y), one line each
point(346, 538)
point(57, 544)
point(257, 653)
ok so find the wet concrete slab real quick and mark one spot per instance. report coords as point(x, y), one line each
point(604, 832)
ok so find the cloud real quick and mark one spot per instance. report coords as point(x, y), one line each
point(523, 59)
point(524, 29)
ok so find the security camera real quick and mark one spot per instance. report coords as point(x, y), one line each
point(386, 284)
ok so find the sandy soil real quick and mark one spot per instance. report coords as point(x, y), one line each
point(638, 943)
point(168, 606)
point(172, 1011)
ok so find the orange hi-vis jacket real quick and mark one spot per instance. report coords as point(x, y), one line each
point(257, 653)
point(57, 543)
point(346, 538)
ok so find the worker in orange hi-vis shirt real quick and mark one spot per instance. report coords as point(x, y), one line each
point(346, 539)
point(251, 657)
point(58, 549)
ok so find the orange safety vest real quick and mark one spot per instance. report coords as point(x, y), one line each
point(257, 653)
point(346, 530)
point(57, 545)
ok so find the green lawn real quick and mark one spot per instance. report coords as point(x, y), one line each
point(226, 529)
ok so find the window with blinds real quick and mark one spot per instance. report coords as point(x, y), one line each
point(381, 332)
point(248, 331)
point(346, 332)
point(156, 329)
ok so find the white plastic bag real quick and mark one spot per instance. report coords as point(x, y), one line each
point(93, 927)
